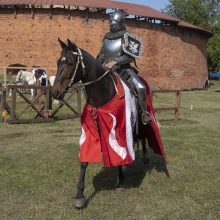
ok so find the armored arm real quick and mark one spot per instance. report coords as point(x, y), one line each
point(124, 59)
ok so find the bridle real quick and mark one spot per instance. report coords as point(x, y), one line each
point(80, 62)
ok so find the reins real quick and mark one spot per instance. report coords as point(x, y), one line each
point(80, 61)
point(93, 81)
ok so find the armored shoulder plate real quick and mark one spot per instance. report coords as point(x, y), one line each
point(133, 45)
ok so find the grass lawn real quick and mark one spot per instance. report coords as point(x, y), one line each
point(39, 169)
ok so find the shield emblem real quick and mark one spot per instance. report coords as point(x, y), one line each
point(133, 45)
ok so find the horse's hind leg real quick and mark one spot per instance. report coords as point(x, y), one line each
point(80, 200)
point(121, 179)
point(144, 149)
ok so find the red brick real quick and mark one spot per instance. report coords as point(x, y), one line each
point(172, 58)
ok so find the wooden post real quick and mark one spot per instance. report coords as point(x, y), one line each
point(46, 103)
point(175, 107)
point(2, 105)
point(1, 101)
point(32, 11)
point(51, 12)
point(177, 111)
point(13, 105)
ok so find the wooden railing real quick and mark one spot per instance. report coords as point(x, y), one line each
point(43, 113)
point(46, 113)
point(175, 107)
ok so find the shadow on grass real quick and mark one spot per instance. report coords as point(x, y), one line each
point(136, 172)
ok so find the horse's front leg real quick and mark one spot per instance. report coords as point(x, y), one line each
point(80, 200)
point(144, 149)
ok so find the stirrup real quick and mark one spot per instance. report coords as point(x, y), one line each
point(146, 118)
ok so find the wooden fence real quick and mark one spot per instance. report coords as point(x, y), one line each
point(42, 112)
point(49, 112)
point(175, 107)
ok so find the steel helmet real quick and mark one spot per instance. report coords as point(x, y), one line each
point(117, 21)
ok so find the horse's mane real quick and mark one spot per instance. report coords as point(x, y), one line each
point(94, 65)
point(102, 91)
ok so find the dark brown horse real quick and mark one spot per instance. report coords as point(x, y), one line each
point(75, 65)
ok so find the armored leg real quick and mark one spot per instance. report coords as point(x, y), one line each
point(139, 90)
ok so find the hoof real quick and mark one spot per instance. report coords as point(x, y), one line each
point(146, 160)
point(80, 203)
point(120, 189)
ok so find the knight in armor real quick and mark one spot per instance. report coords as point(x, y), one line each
point(119, 49)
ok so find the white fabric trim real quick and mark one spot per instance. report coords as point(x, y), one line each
point(131, 116)
point(82, 137)
point(121, 151)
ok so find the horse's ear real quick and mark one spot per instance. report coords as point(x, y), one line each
point(72, 45)
point(62, 44)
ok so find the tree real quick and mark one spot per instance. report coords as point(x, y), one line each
point(214, 50)
point(204, 14)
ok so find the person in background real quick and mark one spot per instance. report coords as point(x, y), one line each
point(40, 76)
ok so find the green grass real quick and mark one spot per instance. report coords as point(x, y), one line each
point(39, 169)
point(8, 77)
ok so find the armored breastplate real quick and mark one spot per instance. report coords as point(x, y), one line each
point(112, 49)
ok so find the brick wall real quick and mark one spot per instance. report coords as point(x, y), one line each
point(172, 58)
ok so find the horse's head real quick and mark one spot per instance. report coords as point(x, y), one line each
point(68, 66)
